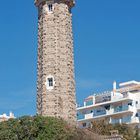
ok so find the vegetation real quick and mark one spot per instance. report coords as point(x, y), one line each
point(39, 128)
point(34, 128)
point(128, 133)
point(48, 128)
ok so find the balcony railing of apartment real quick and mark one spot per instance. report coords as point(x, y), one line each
point(138, 106)
point(106, 98)
point(90, 102)
point(101, 113)
point(135, 120)
point(126, 119)
point(81, 116)
point(123, 108)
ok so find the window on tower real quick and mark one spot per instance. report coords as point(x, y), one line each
point(50, 7)
point(50, 82)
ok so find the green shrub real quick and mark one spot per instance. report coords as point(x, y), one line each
point(35, 128)
point(102, 128)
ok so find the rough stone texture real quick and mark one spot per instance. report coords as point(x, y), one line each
point(55, 57)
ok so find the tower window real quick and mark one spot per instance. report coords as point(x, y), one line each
point(50, 7)
point(50, 82)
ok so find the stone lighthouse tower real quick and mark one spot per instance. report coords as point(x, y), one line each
point(55, 84)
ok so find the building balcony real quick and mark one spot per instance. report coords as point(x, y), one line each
point(127, 119)
point(123, 108)
point(89, 116)
point(138, 107)
point(113, 99)
point(135, 120)
point(107, 113)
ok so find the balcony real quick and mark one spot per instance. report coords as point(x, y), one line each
point(103, 100)
point(81, 117)
point(88, 103)
point(138, 106)
point(89, 116)
point(107, 113)
point(100, 113)
point(123, 108)
point(127, 120)
point(135, 120)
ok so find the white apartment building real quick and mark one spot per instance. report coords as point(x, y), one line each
point(120, 105)
point(5, 117)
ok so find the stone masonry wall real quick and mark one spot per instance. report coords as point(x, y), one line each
point(55, 57)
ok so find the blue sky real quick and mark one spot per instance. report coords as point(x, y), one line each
point(106, 45)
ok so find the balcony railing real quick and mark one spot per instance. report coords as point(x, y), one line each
point(99, 113)
point(123, 108)
point(81, 117)
point(105, 112)
point(138, 106)
point(88, 103)
point(104, 99)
